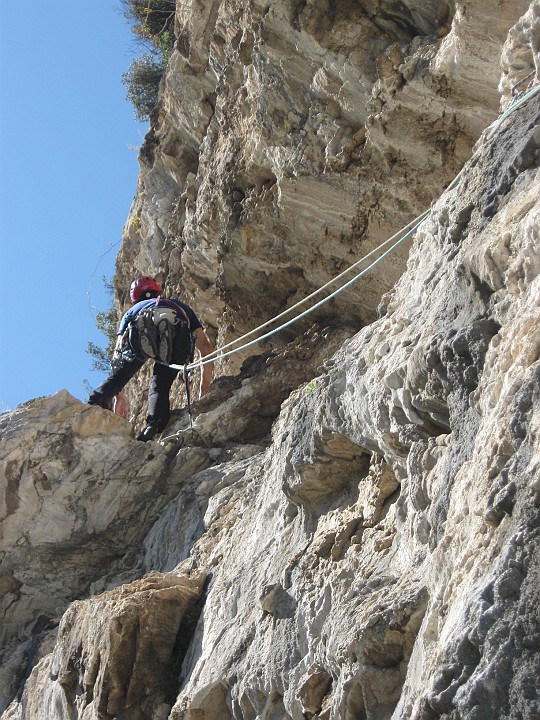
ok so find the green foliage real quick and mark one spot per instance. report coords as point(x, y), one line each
point(152, 22)
point(310, 386)
point(107, 323)
point(165, 43)
point(142, 84)
point(151, 19)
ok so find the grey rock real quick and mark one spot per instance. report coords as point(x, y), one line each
point(354, 518)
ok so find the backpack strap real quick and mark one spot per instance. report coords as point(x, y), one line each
point(184, 313)
point(176, 306)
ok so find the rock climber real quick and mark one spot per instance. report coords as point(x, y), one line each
point(146, 293)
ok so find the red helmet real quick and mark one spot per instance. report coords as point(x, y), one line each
point(140, 285)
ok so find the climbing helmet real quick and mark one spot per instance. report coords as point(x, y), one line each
point(141, 285)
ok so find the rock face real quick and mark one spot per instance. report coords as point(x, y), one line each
point(350, 531)
point(115, 654)
point(293, 137)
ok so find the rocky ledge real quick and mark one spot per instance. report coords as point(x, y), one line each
point(351, 529)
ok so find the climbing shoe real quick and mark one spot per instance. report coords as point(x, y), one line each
point(97, 398)
point(149, 432)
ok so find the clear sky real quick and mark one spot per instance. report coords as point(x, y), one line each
point(68, 175)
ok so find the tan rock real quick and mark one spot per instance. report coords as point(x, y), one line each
point(371, 543)
point(117, 654)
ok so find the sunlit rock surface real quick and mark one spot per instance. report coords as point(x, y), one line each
point(350, 529)
point(293, 137)
point(115, 655)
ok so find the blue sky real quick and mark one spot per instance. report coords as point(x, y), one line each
point(68, 175)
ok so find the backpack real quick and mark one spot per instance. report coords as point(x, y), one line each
point(157, 331)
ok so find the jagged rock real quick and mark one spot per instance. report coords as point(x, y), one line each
point(117, 654)
point(292, 138)
point(376, 556)
point(389, 593)
point(77, 496)
point(251, 400)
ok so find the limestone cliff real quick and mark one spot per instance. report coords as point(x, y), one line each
point(350, 531)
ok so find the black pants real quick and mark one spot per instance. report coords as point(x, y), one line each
point(159, 410)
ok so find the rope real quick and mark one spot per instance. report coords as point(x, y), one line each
point(100, 258)
point(219, 354)
point(312, 295)
point(188, 394)
point(207, 359)
point(522, 82)
point(511, 109)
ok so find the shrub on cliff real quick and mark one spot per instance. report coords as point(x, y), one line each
point(152, 22)
point(107, 323)
point(142, 84)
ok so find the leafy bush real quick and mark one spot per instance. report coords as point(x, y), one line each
point(142, 84)
point(152, 22)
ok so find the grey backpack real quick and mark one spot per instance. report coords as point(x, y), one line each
point(155, 332)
